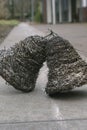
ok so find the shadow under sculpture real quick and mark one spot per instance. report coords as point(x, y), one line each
point(67, 70)
point(20, 64)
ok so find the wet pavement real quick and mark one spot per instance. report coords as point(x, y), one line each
point(36, 110)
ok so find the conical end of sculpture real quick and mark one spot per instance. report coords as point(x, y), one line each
point(14, 73)
point(67, 70)
point(20, 64)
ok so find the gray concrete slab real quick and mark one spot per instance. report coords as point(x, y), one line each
point(75, 33)
point(36, 110)
point(47, 125)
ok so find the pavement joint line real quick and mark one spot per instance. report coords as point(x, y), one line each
point(44, 121)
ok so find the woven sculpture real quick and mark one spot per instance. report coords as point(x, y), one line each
point(66, 68)
point(20, 64)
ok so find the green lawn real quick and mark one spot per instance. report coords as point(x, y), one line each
point(9, 22)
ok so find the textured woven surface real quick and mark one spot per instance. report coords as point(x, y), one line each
point(66, 68)
point(20, 64)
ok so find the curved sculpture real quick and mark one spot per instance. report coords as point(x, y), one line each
point(20, 64)
point(67, 70)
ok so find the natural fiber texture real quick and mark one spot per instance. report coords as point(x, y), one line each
point(20, 64)
point(66, 68)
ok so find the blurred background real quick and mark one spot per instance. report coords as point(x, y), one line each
point(44, 11)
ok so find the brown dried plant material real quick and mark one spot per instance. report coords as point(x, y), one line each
point(20, 64)
point(67, 70)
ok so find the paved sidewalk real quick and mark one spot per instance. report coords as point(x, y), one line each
point(36, 110)
point(19, 33)
point(75, 33)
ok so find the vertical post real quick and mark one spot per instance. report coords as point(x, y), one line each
point(49, 13)
point(22, 9)
point(81, 15)
point(53, 12)
point(32, 10)
point(11, 7)
point(70, 18)
point(44, 4)
point(84, 3)
point(60, 11)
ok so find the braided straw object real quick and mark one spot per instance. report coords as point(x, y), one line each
point(20, 64)
point(67, 70)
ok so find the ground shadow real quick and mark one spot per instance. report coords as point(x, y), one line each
point(72, 95)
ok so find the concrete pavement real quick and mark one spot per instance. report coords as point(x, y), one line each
point(36, 110)
point(75, 33)
point(19, 33)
